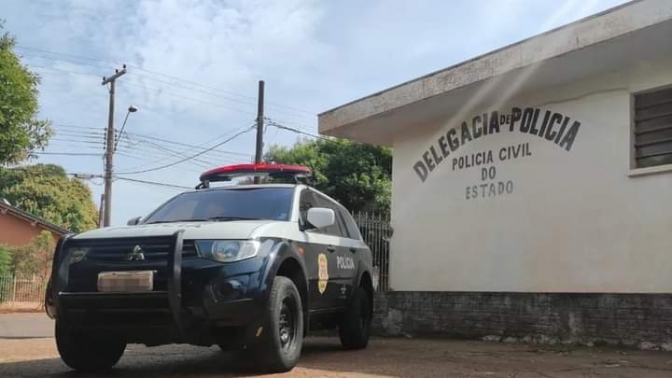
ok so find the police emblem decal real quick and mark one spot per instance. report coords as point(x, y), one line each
point(322, 273)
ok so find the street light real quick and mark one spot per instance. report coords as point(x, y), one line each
point(131, 109)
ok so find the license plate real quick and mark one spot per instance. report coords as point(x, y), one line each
point(126, 282)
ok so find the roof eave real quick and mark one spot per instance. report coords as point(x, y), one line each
point(349, 119)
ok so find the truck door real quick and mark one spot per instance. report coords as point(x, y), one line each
point(344, 254)
point(320, 249)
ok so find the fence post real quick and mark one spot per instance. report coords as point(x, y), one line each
point(14, 293)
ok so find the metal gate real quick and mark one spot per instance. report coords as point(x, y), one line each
point(375, 229)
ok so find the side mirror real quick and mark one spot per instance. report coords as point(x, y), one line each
point(320, 217)
point(133, 221)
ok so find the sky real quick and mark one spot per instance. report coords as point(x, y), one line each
point(193, 68)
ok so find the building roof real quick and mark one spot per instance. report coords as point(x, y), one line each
point(6, 208)
point(608, 41)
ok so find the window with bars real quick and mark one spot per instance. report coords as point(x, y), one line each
point(653, 128)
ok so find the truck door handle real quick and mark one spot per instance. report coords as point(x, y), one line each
point(331, 248)
point(353, 250)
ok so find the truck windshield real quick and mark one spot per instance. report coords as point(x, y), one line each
point(225, 205)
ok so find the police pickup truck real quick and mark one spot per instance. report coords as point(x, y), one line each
point(251, 268)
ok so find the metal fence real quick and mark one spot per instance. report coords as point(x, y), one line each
point(375, 229)
point(21, 292)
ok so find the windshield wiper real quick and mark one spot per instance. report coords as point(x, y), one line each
point(225, 219)
point(211, 219)
point(178, 220)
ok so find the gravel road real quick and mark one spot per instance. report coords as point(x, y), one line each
point(323, 357)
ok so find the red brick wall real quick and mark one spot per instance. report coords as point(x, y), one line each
point(16, 232)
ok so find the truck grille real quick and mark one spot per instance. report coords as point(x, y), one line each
point(148, 249)
point(113, 255)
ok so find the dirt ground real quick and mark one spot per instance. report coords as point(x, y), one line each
point(323, 357)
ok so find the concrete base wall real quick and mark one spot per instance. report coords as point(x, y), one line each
point(635, 320)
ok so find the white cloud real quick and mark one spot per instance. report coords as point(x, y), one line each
point(312, 54)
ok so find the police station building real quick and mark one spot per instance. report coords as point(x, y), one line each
point(532, 187)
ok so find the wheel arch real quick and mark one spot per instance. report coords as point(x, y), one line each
point(288, 264)
point(291, 268)
point(366, 283)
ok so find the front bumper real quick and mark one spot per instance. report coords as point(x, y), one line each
point(193, 301)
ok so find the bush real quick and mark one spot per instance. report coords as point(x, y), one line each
point(35, 259)
point(5, 261)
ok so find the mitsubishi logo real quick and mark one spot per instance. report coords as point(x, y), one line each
point(136, 254)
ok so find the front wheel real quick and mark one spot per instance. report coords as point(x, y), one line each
point(280, 346)
point(356, 322)
point(84, 353)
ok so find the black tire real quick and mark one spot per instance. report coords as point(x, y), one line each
point(280, 345)
point(356, 323)
point(86, 354)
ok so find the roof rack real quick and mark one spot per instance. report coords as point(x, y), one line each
point(290, 173)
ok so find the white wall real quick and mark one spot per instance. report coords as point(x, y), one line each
point(576, 221)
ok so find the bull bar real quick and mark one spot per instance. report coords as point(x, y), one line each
point(57, 298)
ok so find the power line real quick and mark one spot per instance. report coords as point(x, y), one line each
point(161, 91)
point(279, 126)
point(190, 168)
point(159, 156)
point(62, 70)
point(222, 90)
point(135, 139)
point(80, 135)
point(153, 183)
point(130, 136)
point(189, 157)
point(218, 95)
point(51, 58)
point(145, 154)
point(67, 153)
point(102, 129)
point(299, 126)
point(193, 83)
point(186, 144)
point(85, 141)
point(21, 47)
point(171, 152)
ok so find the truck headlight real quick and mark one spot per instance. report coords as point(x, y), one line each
point(227, 250)
point(77, 254)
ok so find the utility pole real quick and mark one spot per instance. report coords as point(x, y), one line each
point(100, 211)
point(109, 149)
point(260, 127)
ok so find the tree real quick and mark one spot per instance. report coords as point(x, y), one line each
point(5, 261)
point(46, 191)
point(356, 175)
point(35, 259)
point(20, 131)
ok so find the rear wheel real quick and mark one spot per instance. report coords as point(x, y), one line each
point(282, 338)
point(356, 322)
point(85, 353)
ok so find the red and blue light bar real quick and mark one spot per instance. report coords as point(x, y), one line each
point(228, 172)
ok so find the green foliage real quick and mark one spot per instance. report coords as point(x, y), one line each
point(356, 175)
point(5, 261)
point(20, 131)
point(35, 258)
point(47, 192)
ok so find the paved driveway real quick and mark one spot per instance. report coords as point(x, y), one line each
point(25, 325)
point(323, 357)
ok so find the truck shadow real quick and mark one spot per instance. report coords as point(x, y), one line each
point(181, 361)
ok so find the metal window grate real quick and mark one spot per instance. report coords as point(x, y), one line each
point(653, 128)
